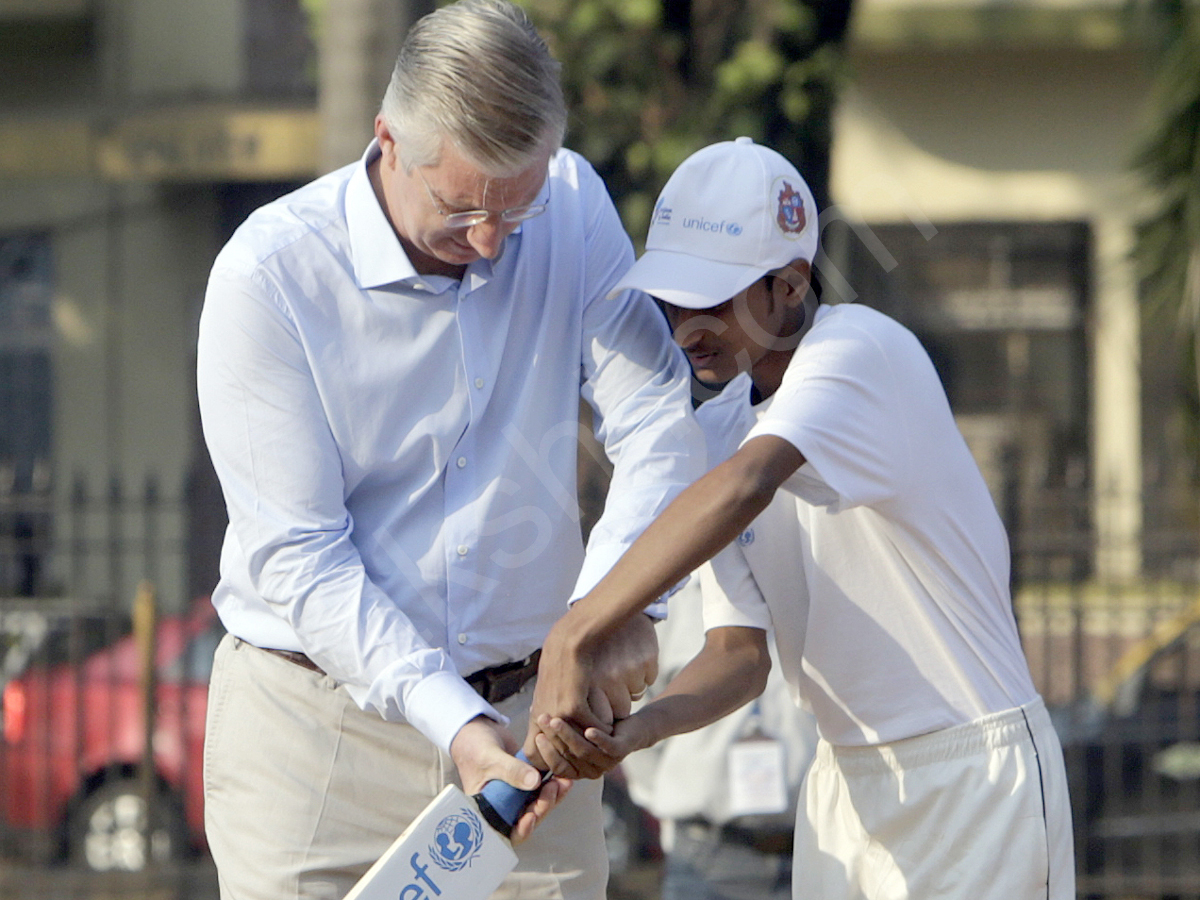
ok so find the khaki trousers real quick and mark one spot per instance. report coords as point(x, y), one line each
point(303, 790)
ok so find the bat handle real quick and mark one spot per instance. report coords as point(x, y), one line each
point(501, 804)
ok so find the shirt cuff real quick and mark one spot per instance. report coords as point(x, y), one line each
point(442, 703)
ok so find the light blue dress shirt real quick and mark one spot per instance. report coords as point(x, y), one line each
point(398, 451)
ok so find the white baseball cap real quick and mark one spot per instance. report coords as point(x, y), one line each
point(729, 214)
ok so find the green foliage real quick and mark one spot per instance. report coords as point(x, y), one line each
point(1167, 242)
point(1167, 245)
point(649, 82)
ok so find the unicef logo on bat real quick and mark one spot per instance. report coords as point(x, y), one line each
point(457, 841)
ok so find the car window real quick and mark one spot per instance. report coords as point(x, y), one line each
point(200, 653)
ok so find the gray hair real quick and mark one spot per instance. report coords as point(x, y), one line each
point(477, 74)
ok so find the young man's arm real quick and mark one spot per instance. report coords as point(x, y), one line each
point(729, 671)
point(690, 531)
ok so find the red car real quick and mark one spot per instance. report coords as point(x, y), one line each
point(73, 742)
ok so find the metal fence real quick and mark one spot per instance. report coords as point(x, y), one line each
point(77, 796)
point(1119, 668)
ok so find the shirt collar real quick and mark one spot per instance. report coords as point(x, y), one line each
point(378, 256)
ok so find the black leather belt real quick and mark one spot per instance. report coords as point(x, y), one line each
point(295, 656)
point(494, 684)
point(498, 683)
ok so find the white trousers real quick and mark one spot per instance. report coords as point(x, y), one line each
point(303, 790)
point(975, 812)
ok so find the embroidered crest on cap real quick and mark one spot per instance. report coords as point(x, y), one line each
point(790, 216)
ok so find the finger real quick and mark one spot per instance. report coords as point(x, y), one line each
point(572, 739)
point(638, 679)
point(531, 749)
point(520, 774)
point(551, 794)
point(629, 735)
point(604, 717)
point(605, 742)
point(574, 706)
point(557, 761)
point(621, 704)
point(587, 757)
point(560, 747)
point(554, 737)
point(546, 800)
point(651, 670)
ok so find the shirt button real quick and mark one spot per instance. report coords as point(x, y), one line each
point(462, 638)
point(478, 382)
point(462, 549)
point(462, 461)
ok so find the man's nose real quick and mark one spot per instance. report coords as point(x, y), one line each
point(689, 327)
point(487, 236)
point(680, 322)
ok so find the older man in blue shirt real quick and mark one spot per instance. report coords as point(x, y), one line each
point(391, 361)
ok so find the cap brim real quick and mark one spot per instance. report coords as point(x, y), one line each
point(687, 281)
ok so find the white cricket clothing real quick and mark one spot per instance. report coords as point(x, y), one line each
point(893, 608)
point(974, 812)
point(883, 567)
point(398, 451)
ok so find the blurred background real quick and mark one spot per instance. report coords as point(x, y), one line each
point(1018, 182)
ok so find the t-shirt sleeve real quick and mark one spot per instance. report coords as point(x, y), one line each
point(731, 596)
point(840, 406)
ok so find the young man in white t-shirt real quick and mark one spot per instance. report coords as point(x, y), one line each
point(855, 522)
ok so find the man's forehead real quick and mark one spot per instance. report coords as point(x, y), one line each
point(458, 179)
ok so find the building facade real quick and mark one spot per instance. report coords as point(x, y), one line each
point(981, 194)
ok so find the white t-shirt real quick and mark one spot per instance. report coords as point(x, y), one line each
point(883, 562)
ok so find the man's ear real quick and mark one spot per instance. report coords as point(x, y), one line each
point(387, 143)
point(793, 280)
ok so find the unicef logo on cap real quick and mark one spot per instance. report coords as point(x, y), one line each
point(733, 228)
point(457, 841)
point(746, 538)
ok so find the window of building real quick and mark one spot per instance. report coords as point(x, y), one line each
point(25, 409)
point(1001, 309)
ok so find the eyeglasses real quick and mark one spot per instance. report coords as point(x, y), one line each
point(468, 218)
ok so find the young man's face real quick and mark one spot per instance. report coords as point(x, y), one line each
point(723, 341)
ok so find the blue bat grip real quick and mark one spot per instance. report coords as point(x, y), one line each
point(502, 804)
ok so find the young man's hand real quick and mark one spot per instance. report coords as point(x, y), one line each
point(594, 752)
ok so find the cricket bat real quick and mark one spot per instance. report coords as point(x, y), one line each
point(456, 849)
